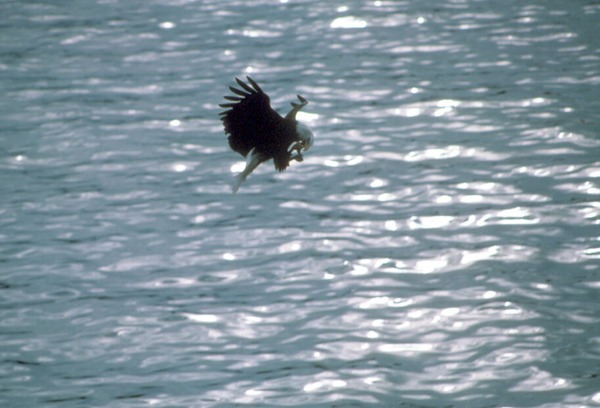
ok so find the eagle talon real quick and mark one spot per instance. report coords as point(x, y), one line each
point(297, 146)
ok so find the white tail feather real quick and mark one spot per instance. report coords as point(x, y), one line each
point(254, 159)
point(237, 182)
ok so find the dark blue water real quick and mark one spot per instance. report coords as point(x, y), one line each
point(438, 247)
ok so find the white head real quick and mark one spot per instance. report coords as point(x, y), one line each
point(305, 134)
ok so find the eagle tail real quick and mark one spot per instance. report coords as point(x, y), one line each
point(254, 159)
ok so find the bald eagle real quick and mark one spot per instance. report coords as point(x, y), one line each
point(259, 133)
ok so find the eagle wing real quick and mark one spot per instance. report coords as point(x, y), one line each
point(251, 123)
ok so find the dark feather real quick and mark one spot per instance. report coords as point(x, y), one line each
point(244, 85)
point(254, 84)
point(237, 91)
point(233, 98)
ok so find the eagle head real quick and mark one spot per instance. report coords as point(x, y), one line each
point(305, 135)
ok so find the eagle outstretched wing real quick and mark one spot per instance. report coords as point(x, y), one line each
point(251, 123)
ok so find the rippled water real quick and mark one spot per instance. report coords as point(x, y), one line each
point(438, 247)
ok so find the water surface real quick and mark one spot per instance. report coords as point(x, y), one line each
point(438, 247)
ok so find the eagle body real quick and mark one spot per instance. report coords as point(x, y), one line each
point(259, 133)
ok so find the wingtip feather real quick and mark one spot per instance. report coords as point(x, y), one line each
point(254, 84)
point(233, 98)
point(244, 85)
point(238, 91)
